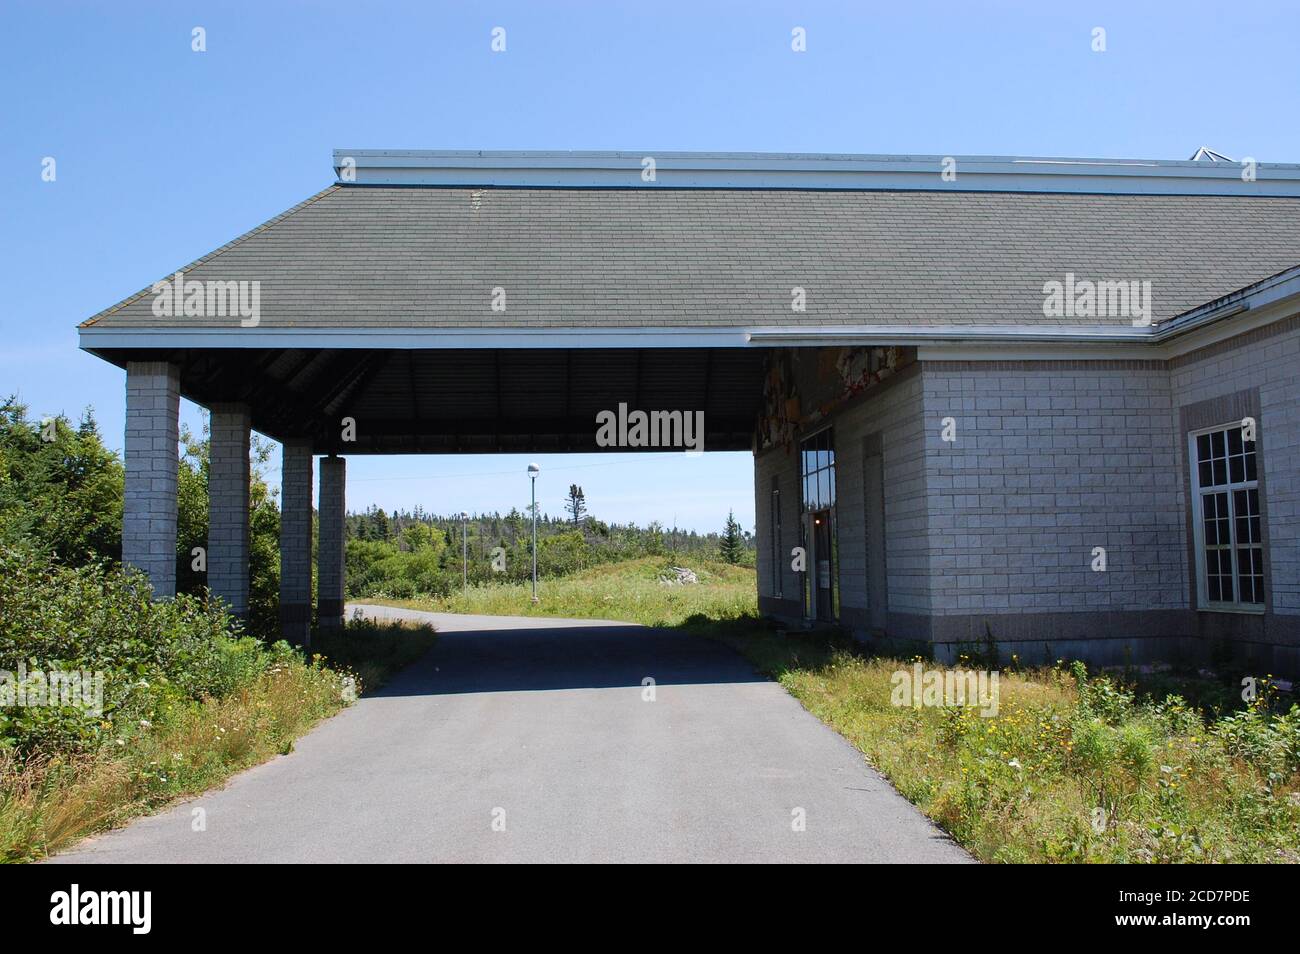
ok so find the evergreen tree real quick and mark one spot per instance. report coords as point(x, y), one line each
point(576, 505)
point(732, 545)
point(379, 525)
point(515, 524)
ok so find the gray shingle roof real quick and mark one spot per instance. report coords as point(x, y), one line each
point(377, 257)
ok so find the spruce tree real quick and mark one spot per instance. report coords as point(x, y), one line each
point(732, 545)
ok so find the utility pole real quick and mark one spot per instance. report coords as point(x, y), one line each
point(464, 550)
point(533, 471)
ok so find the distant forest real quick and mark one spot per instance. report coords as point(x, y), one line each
point(409, 553)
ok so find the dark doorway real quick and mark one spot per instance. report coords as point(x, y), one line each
point(824, 578)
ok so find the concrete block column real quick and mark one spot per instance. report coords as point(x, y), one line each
point(295, 542)
point(153, 397)
point(330, 553)
point(228, 473)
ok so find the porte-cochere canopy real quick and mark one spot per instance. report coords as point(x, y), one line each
point(487, 302)
point(497, 301)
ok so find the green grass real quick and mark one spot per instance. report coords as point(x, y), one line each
point(629, 591)
point(49, 801)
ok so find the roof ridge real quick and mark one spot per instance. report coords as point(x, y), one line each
point(333, 187)
point(830, 171)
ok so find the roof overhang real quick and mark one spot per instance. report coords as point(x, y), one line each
point(1268, 300)
point(101, 340)
point(98, 340)
point(746, 170)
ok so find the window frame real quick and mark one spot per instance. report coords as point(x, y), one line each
point(822, 471)
point(1229, 489)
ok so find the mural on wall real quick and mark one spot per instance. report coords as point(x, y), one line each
point(778, 421)
point(839, 374)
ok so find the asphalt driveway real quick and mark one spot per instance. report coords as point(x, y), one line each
point(535, 740)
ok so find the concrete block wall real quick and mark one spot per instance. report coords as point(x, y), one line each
point(1270, 364)
point(1052, 460)
point(228, 477)
point(151, 452)
point(295, 541)
point(1258, 373)
point(777, 467)
point(894, 412)
point(330, 544)
point(995, 532)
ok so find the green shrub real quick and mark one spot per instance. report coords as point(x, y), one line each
point(1093, 746)
point(1269, 741)
point(1101, 697)
point(1135, 750)
point(562, 554)
point(379, 569)
point(100, 619)
point(1179, 718)
point(61, 496)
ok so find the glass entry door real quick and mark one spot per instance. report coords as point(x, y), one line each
point(817, 468)
point(823, 566)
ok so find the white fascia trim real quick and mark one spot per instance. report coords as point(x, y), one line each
point(1272, 301)
point(1213, 334)
point(1276, 290)
point(643, 337)
point(747, 170)
point(947, 334)
point(399, 339)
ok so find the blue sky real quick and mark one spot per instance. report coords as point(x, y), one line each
point(164, 154)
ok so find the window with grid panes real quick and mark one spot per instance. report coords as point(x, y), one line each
point(1225, 505)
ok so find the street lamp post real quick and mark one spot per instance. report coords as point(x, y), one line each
point(464, 550)
point(533, 471)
